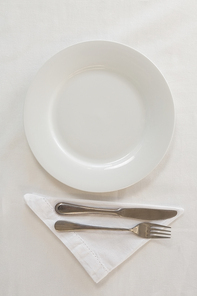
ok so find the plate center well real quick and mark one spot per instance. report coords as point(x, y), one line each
point(98, 116)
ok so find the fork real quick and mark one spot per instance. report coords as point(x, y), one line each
point(144, 229)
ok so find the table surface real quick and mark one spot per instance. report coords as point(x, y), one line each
point(33, 261)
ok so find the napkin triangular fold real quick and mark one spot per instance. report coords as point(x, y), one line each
point(99, 252)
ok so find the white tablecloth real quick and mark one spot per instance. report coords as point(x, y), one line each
point(33, 261)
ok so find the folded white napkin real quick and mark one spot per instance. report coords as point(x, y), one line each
point(99, 252)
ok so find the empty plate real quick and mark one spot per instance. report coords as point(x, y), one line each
point(99, 116)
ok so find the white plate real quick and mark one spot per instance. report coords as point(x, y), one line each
point(99, 116)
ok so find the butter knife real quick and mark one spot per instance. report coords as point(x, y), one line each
point(63, 208)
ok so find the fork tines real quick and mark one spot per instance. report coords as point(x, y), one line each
point(160, 231)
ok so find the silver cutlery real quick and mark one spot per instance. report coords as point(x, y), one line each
point(144, 230)
point(63, 208)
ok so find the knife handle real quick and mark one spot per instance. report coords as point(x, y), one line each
point(63, 208)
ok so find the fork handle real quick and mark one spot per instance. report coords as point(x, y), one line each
point(70, 226)
point(63, 208)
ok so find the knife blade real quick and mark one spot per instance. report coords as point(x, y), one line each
point(63, 208)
